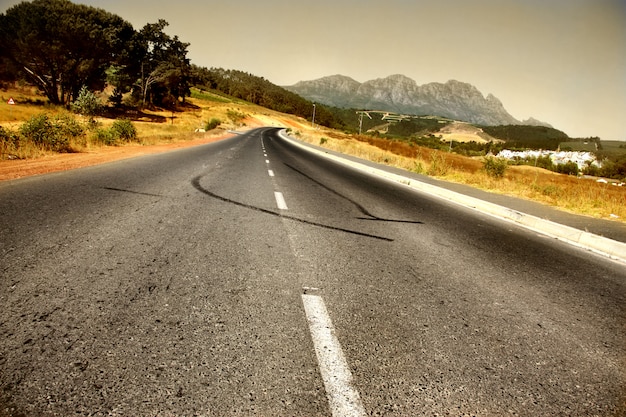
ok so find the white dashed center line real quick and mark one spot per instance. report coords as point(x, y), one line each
point(280, 200)
point(343, 399)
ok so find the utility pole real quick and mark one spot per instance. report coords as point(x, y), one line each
point(313, 120)
point(361, 113)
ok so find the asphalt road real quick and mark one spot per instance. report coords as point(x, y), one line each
point(178, 285)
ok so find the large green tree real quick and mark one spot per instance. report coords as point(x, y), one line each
point(61, 46)
point(165, 70)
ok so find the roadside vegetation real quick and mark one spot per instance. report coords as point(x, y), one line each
point(567, 192)
point(33, 128)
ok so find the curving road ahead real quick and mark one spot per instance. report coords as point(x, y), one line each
point(248, 277)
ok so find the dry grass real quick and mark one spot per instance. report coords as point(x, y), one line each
point(153, 126)
point(568, 193)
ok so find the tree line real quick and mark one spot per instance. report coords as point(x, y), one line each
point(62, 47)
point(258, 90)
point(527, 137)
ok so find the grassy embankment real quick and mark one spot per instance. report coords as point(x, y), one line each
point(569, 193)
point(152, 126)
point(583, 196)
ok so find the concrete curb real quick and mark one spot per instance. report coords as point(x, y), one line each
point(611, 248)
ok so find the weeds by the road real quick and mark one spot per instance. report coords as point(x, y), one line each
point(566, 192)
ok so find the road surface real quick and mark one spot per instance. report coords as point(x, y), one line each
point(248, 277)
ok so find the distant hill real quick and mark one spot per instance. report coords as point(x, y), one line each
point(398, 93)
point(258, 90)
point(528, 137)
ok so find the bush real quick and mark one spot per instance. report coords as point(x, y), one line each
point(38, 129)
point(116, 97)
point(544, 162)
point(9, 143)
point(124, 130)
point(495, 167)
point(614, 169)
point(103, 136)
point(68, 125)
point(87, 103)
point(419, 168)
point(235, 116)
point(569, 168)
point(70, 128)
point(53, 134)
point(121, 130)
point(592, 170)
point(212, 124)
point(438, 165)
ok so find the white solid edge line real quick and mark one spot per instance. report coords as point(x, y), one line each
point(601, 245)
point(343, 399)
point(280, 200)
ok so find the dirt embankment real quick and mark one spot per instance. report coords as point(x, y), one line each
point(13, 169)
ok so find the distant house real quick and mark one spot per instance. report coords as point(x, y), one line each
point(582, 159)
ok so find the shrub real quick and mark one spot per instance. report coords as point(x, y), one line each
point(212, 124)
point(103, 136)
point(323, 141)
point(543, 162)
point(124, 130)
point(68, 126)
point(419, 168)
point(495, 167)
point(438, 165)
point(54, 134)
point(87, 103)
point(38, 129)
point(71, 129)
point(9, 143)
point(592, 170)
point(235, 116)
point(569, 168)
point(116, 97)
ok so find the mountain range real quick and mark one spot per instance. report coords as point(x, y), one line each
point(400, 94)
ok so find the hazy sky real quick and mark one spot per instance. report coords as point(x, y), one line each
point(560, 61)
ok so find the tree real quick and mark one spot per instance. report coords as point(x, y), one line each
point(495, 167)
point(165, 69)
point(569, 168)
point(87, 104)
point(61, 46)
point(117, 77)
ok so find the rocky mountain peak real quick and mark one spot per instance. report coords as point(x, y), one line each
point(398, 93)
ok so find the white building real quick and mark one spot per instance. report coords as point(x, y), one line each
point(582, 159)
